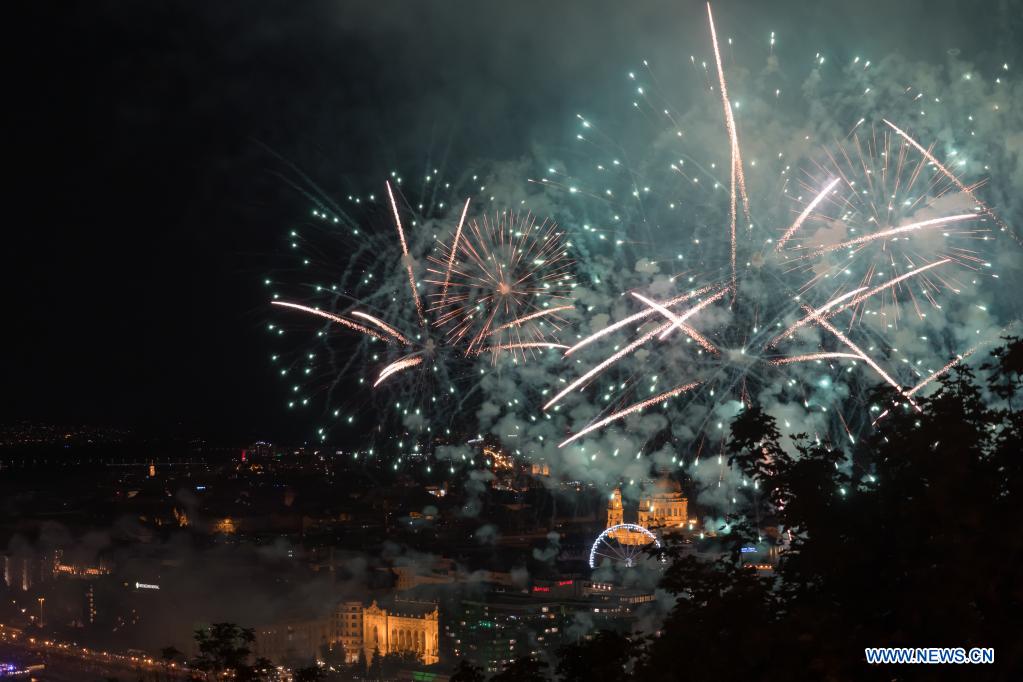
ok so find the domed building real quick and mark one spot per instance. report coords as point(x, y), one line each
point(662, 506)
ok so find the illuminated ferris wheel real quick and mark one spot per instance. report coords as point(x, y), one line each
point(621, 544)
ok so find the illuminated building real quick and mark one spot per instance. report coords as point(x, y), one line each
point(400, 626)
point(615, 509)
point(347, 629)
point(258, 451)
point(225, 526)
point(661, 507)
point(24, 571)
point(404, 627)
point(78, 569)
point(27, 571)
point(293, 641)
point(498, 460)
point(664, 506)
point(496, 631)
point(499, 627)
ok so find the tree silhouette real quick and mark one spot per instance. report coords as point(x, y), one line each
point(333, 654)
point(361, 666)
point(310, 673)
point(168, 655)
point(396, 661)
point(224, 648)
point(467, 672)
point(375, 669)
point(904, 538)
point(602, 658)
point(262, 669)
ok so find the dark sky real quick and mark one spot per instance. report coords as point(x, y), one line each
point(142, 204)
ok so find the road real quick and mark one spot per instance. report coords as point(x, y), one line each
point(68, 663)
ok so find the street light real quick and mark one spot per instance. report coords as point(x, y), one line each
point(41, 600)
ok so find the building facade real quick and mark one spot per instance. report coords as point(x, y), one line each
point(494, 629)
point(403, 627)
point(347, 630)
point(662, 507)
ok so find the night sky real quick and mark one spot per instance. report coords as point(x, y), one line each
point(147, 205)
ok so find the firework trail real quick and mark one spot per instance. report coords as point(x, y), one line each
point(863, 356)
point(451, 256)
point(678, 390)
point(328, 316)
point(523, 345)
point(885, 234)
point(406, 257)
point(678, 321)
point(947, 173)
point(607, 363)
point(388, 329)
point(413, 360)
point(805, 214)
point(811, 357)
point(736, 173)
point(532, 316)
point(635, 318)
point(949, 366)
point(830, 310)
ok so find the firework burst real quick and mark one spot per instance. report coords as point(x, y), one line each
point(854, 261)
point(420, 300)
point(502, 283)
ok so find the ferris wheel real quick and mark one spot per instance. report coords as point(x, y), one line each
point(621, 544)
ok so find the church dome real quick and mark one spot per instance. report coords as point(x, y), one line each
point(665, 486)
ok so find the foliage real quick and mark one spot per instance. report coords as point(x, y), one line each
point(394, 662)
point(262, 669)
point(906, 538)
point(225, 648)
point(311, 673)
point(361, 665)
point(603, 657)
point(374, 670)
point(467, 672)
point(333, 654)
